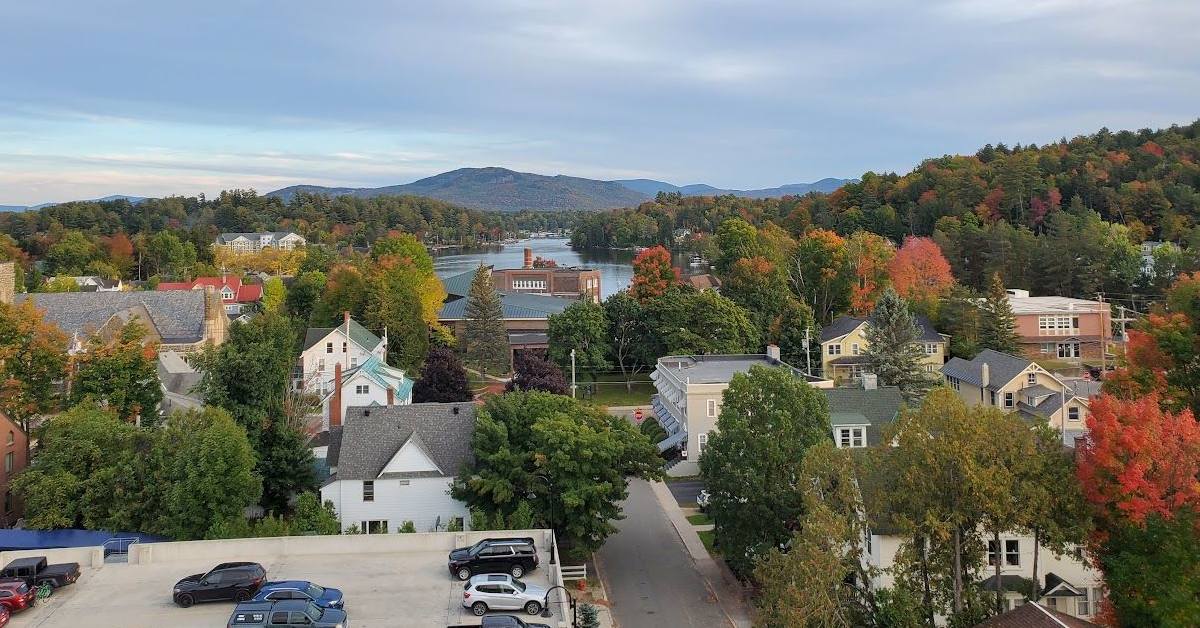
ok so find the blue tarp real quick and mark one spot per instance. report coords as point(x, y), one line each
point(49, 539)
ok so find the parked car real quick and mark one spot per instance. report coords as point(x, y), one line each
point(287, 613)
point(299, 590)
point(500, 591)
point(34, 571)
point(514, 556)
point(501, 621)
point(227, 581)
point(5, 615)
point(17, 596)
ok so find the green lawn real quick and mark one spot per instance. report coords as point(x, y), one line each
point(709, 538)
point(609, 390)
point(699, 519)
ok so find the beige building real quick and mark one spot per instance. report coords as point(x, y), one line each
point(844, 342)
point(1019, 385)
point(1062, 328)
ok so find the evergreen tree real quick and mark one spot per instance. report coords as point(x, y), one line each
point(998, 324)
point(485, 343)
point(893, 351)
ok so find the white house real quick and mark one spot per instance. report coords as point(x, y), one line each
point(253, 242)
point(348, 344)
point(370, 384)
point(395, 464)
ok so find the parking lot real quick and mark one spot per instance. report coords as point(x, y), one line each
point(402, 588)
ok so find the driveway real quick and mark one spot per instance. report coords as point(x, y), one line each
point(686, 491)
point(652, 581)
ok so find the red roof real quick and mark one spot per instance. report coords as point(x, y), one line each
point(242, 293)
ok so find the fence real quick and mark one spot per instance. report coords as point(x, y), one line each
point(569, 573)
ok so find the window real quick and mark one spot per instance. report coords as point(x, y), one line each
point(528, 284)
point(854, 349)
point(931, 348)
point(928, 368)
point(992, 397)
point(848, 437)
point(329, 347)
point(835, 349)
point(1047, 348)
point(226, 295)
point(368, 494)
point(1008, 400)
point(8, 501)
point(1073, 413)
point(280, 618)
point(1068, 349)
point(321, 364)
point(702, 442)
point(353, 362)
point(362, 389)
point(1012, 552)
point(712, 407)
point(992, 553)
point(1031, 378)
point(8, 462)
point(1089, 603)
point(11, 437)
point(1058, 325)
point(374, 526)
point(955, 383)
point(343, 347)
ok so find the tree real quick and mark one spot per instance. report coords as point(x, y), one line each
point(305, 293)
point(33, 360)
point(313, 517)
point(274, 295)
point(960, 316)
point(406, 251)
point(1051, 498)
point(443, 379)
point(894, 351)
point(794, 326)
point(755, 284)
point(627, 335)
point(652, 274)
point(485, 341)
point(736, 239)
point(212, 471)
point(393, 304)
point(998, 324)
point(61, 283)
point(820, 273)
point(751, 465)
point(920, 273)
point(583, 329)
point(534, 372)
point(686, 321)
point(121, 374)
point(868, 255)
point(569, 461)
point(71, 254)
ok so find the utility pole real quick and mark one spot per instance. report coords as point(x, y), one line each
point(572, 373)
point(1105, 330)
point(807, 352)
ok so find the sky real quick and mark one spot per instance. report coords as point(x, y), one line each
point(150, 98)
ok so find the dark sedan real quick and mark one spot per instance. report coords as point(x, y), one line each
point(324, 597)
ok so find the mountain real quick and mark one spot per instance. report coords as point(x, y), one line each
point(651, 187)
point(498, 189)
point(12, 208)
point(113, 197)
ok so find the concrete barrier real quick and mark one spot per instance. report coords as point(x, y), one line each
point(86, 556)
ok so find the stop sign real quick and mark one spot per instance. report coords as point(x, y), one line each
point(637, 415)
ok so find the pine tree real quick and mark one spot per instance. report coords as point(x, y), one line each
point(893, 352)
point(485, 343)
point(998, 327)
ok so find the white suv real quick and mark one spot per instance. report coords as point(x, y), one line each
point(500, 591)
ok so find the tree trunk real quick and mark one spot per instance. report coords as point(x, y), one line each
point(999, 560)
point(958, 583)
point(927, 595)
point(1037, 541)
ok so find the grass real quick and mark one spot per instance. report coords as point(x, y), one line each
point(709, 538)
point(699, 519)
point(609, 390)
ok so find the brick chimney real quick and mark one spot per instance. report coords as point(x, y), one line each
point(391, 399)
point(528, 258)
point(335, 402)
point(216, 322)
point(346, 317)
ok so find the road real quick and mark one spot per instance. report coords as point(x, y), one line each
point(652, 581)
point(686, 491)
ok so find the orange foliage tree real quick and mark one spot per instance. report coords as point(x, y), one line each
point(919, 272)
point(869, 255)
point(652, 274)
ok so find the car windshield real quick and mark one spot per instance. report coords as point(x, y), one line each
point(22, 588)
point(313, 612)
point(476, 547)
point(314, 591)
point(520, 585)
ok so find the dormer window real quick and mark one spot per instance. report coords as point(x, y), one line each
point(1031, 379)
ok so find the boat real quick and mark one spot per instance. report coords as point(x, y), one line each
point(698, 261)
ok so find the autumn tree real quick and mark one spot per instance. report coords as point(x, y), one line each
point(274, 294)
point(485, 339)
point(820, 273)
point(920, 273)
point(652, 274)
point(869, 256)
point(736, 239)
point(755, 284)
point(534, 372)
point(121, 374)
point(998, 324)
point(33, 360)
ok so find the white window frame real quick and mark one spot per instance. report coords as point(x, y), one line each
point(854, 348)
point(701, 443)
point(1068, 350)
point(329, 347)
point(353, 362)
point(835, 349)
point(955, 383)
point(1012, 557)
point(1075, 411)
point(362, 389)
point(368, 495)
point(366, 526)
point(931, 348)
point(850, 436)
point(1010, 400)
point(1031, 379)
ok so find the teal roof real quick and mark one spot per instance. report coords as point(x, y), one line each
point(848, 418)
point(359, 334)
point(460, 284)
point(513, 305)
point(385, 376)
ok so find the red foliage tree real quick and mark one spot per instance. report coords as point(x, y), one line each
point(919, 272)
point(652, 274)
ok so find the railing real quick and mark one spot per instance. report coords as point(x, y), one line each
point(118, 548)
point(573, 573)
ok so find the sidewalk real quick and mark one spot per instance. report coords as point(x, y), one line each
point(721, 582)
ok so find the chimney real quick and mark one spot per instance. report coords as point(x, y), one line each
point(346, 317)
point(773, 353)
point(984, 375)
point(528, 258)
point(335, 402)
point(391, 399)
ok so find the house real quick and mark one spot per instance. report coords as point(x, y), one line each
point(526, 316)
point(371, 384)
point(704, 282)
point(15, 450)
point(690, 389)
point(93, 283)
point(396, 464)
point(572, 282)
point(844, 343)
point(347, 345)
point(1018, 384)
point(858, 415)
point(1035, 616)
point(237, 297)
point(178, 320)
point(254, 242)
point(179, 381)
point(1062, 328)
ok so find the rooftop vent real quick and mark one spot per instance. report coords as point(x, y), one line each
point(454, 410)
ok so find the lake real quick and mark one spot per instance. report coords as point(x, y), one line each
point(616, 267)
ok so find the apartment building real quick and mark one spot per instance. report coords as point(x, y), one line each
point(1062, 328)
point(254, 242)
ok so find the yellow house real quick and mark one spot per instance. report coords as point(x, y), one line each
point(1020, 385)
point(844, 342)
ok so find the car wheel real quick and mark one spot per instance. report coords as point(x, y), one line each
point(479, 608)
point(242, 596)
point(464, 574)
point(185, 600)
point(517, 571)
point(533, 608)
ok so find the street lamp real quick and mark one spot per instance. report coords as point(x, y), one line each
point(574, 607)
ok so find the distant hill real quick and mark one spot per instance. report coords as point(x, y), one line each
point(506, 190)
point(12, 208)
point(113, 197)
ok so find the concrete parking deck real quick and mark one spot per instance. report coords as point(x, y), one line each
point(388, 580)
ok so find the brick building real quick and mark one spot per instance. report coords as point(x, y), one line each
point(14, 448)
point(1062, 328)
point(572, 282)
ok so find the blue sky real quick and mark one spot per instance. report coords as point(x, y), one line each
point(151, 97)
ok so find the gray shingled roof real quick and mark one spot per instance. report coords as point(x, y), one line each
point(879, 406)
point(1002, 368)
point(843, 325)
point(177, 315)
point(370, 438)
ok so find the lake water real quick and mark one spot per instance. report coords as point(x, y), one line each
point(616, 267)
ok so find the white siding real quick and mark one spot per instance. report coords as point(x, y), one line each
point(421, 501)
point(321, 378)
point(410, 459)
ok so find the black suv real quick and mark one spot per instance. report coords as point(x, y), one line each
point(512, 556)
point(227, 581)
point(290, 613)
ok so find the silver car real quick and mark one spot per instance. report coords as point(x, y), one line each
point(500, 591)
